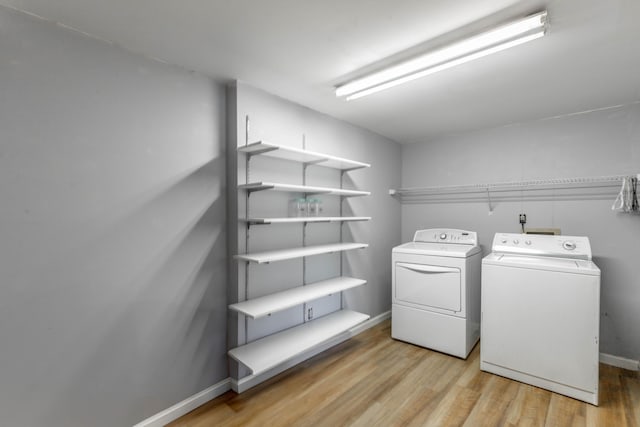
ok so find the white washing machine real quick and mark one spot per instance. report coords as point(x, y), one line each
point(540, 313)
point(436, 291)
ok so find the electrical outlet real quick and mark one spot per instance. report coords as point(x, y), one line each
point(523, 218)
point(310, 313)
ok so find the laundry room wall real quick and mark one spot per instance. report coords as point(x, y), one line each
point(112, 230)
point(283, 122)
point(598, 143)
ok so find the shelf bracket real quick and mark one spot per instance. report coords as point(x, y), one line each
point(350, 169)
point(262, 151)
point(313, 162)
point(489, 201)
point(246, 130)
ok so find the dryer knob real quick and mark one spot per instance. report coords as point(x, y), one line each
point(443, 236)
point(516, 241)
point(504, 240)
point(569, 245)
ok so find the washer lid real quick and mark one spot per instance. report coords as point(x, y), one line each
point(437, 249)
point(576, 266)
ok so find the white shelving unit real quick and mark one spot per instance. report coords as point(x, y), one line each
point(292, 253)
point(301, 156)
point(264, 306)
point(268, 352)
point(578, 188)
point(303, 219)
point(307, 189)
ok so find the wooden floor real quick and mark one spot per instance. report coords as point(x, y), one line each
point(372, 380)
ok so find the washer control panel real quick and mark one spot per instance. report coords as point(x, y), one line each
point(446, 235)
point(577, 247)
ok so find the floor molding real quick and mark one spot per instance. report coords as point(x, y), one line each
point(371, 323)
point(187, 405)
point(620, 362)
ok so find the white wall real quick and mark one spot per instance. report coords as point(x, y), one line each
point(112, 236)
point(283, 122)
point(593, 144)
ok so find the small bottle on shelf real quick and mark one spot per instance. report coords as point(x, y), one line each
point(298, 207)
point(315, 207)
point(311, 207)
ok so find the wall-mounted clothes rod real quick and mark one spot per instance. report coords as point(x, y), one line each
point(582, 188)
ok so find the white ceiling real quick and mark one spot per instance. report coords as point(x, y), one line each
point(300, 49)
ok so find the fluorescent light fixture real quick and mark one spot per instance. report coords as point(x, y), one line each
point(492, 41)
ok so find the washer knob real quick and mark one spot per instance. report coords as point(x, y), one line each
point(443, 236)
point(504, 240)
point(528, 242)
point(569, 245)
point(516, 241)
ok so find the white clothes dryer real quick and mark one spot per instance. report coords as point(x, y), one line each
point(541, 313)
point(436, 291)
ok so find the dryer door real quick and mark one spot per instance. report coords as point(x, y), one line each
point(428, 286)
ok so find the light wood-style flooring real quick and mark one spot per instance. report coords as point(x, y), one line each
point(373, 380)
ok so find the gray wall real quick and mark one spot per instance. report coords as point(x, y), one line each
point(280, 121)
point(593, 144)
point(112, 236)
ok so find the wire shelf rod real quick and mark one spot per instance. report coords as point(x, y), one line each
point(538, 184)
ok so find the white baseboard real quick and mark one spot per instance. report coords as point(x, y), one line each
point(620, 362)
point(245, 383)
point(371, 323)
point(187, 405)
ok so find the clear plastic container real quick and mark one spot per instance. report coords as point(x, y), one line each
point(298, 207)
point(314, 207)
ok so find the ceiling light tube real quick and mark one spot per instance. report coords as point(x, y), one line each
point(492, 41)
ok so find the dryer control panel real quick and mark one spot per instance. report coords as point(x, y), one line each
point(446, 235)
point(575, 247)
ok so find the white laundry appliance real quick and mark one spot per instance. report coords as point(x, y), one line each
point(436, 291)
point(540, 313)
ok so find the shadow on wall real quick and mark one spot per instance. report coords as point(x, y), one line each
point(149, 309)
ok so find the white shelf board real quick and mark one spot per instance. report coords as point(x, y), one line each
point(290, 220)
point(268, 352)
point(261, 185)
point(292, 253)
point(260, 307)
point(302, 156)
